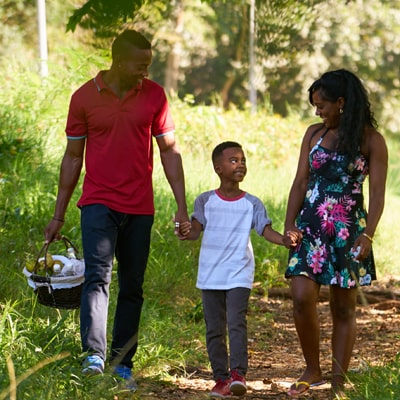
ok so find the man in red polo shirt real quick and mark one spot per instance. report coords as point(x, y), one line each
point(111, 124)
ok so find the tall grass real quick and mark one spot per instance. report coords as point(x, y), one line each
point(39, 346)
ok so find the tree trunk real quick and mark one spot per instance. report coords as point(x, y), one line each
point(238, 60)
point(173, 59)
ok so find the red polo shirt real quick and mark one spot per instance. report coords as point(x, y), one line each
point(119, 148)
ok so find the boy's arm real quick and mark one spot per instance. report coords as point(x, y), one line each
point(194, 231)
point(275, 237)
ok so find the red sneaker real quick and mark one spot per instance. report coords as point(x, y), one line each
point(221, 389)
point(238, 384)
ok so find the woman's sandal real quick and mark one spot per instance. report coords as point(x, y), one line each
point(295, 391)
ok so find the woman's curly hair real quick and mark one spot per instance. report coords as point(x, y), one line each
point(357, 114)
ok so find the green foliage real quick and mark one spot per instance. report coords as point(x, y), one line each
point(209, 43)
point(12, 14)
point(103, 16)
point(377, 382)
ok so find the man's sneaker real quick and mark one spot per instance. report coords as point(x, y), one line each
point(221, 389)
point(238, 384)
point(93, 365)
point(125, 373)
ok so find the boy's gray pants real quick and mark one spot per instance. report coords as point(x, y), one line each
point(226, 310)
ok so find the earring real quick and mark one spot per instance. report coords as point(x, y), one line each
point(340, 110)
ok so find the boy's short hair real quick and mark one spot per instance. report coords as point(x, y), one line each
point(217, 152)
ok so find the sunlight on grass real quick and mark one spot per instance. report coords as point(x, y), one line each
point(381, 382)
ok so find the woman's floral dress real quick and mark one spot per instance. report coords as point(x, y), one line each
point(333, 215)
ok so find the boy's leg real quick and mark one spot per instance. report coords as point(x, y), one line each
point(237, 300)
point(214, 307)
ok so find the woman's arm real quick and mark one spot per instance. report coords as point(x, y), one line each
point(378, 164)
point(299, 186)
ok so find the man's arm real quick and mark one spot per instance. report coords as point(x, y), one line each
point(172, 163)
point(70, 171)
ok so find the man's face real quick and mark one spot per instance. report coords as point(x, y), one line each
point(134, 66)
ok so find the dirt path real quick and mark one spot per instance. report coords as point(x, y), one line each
point(275, 357)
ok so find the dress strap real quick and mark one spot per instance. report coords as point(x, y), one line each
point(317, 130)
point(326, 131)
point(321, 137)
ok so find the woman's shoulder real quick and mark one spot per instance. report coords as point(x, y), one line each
point(373, 141)
point(313, 133)
point(373, 134)
point(314, 128)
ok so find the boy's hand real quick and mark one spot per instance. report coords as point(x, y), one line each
point(287, 242)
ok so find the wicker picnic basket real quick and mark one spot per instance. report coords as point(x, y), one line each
point(62, 290)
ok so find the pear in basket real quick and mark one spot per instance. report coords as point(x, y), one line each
point(30, 265)
point(49, 262)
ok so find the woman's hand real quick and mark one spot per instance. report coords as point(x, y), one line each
point(294, 234)
point(362, 247)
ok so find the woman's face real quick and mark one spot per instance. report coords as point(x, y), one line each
point(328, 111)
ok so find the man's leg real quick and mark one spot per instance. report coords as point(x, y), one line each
point(132, 254)
point(98, 240)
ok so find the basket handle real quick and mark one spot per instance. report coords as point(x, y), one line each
point(44, 250)
point(68, 243)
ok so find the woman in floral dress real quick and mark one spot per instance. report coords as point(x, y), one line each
point(326, 211)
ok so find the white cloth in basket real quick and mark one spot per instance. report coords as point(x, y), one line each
point(73, 276)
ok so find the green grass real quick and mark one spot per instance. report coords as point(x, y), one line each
point(379, 382)
point(39, 346)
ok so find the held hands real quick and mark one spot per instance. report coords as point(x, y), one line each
point(292, 237)
point(181, 217)
point(182, 229)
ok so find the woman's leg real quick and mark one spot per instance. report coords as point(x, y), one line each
point(343, 308)
point(305, 293)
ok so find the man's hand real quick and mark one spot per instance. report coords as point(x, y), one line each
point(52, 230)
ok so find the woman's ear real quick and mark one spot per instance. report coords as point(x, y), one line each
point(340, 102)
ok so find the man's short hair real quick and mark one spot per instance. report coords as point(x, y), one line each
point(126, 40)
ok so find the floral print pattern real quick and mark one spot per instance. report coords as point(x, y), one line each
point(331, 218)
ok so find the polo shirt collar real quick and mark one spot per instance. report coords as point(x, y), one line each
point(101, 85)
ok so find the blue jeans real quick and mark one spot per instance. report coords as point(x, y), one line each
point(105, 234)
point(226, 309)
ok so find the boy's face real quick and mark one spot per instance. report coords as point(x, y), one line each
point(231, 165)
